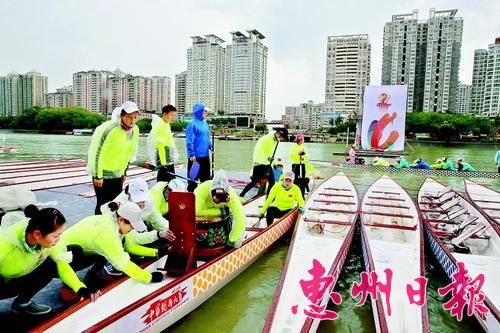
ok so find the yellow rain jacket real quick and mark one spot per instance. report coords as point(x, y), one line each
point(381, 162)
point(437, 165)
point(205, 206)
point(296, 158)
point(283, 199)
point(264, 149)
point(164, 142)
point(17, 258)
point(111, 150)
point(159, 201)
point(99, 234)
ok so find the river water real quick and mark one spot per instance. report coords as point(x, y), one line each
point(242, 305)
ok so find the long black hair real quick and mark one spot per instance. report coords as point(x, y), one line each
point(46, 220)
point(113, 206)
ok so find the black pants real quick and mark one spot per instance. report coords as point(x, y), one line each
point(301, 180)
point(203, 174)
point(82, 260)
point(274, 212)
point(26, 286)
point(165, 173)
point(110, 189)
point(260, 172)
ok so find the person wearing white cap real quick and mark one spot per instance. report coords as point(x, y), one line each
point(198, 144)
point(97, 239)
point(215, 198)
point(137, 191)
point(379, 161)
point(112, 148)
point(438, 165)
point(284, 197)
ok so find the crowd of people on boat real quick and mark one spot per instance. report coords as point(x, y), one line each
point(440, 164)
point(130, 220)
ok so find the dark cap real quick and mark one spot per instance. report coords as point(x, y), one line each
point(283, 131)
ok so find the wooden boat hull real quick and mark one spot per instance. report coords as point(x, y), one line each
point(154, 307)
point(448, 261)
point(392, 237)
point(486, 200)
point(330, 247)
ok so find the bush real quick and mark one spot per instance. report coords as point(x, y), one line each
point(144, 125)
point(178, 126)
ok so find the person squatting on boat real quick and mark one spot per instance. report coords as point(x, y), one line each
point(379, 161)
point(198, 144)
point(263, 156)
point(111, 150)
point(161, 147)
point(464, 166)
point(419, 164)
point(284, 197)
point(31, 255)
point(97, 239)
point(215, 198)
point(401, 163)
point(300, 164)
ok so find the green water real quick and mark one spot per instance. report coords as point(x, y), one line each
point(242, 305)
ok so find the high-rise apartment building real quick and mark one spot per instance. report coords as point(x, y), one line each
point(464, 98)
point(425, 55)
point(347, 73)
point(478, 80)
point(160, 92)
point(21, 91)
point(62, 98)
point(90, 90)
point(245, 77)
point(491, 103)
point(205, 73)
point(180, 93)
point(306, 116)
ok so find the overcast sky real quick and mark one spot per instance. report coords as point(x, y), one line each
point(150, 37)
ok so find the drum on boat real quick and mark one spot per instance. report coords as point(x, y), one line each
point(212, 235)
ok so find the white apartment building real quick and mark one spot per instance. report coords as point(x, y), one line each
point(464, 99)
point(425, 55)
point(491, 102)
point(90, 90)
point(180, 93)
point(205, 73)
point(62, 98)
point(306, 116)
point(478, 80)
point(160, 92)
point(347, 74)
point(21, 91)
point(245, 77)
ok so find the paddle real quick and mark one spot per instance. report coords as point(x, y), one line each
point(257, 224)
point(182, 177)
point(195, 168)
point(213, 153)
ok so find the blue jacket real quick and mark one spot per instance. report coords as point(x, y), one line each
point(197, 134)
point(421, 165)
point(497, 158)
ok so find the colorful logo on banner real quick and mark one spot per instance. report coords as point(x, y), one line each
point(376, 130)
point(383, 101)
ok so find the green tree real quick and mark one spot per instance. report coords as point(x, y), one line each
point(26, 120)
point(261, 128)
point(144, 125)
point(178, 126)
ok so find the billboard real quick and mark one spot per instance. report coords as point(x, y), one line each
point(384, 117)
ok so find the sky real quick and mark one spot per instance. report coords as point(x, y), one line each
point(150, 37)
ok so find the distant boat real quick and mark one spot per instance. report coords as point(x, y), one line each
point(7, 150)
point(232, 137)
point(180, 135)
point(78, 131)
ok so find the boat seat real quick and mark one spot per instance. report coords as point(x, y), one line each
point(438, 195)
point(456, 213)
point(468, 234)
point(466, 223)
point(451, 203)
point(438, 200)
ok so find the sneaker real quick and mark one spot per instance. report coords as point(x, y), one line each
point(110, 270)
point(30, 308)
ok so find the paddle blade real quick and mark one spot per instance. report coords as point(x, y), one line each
point(193, 172)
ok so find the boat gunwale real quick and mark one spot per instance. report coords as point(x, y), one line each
point(469, 198)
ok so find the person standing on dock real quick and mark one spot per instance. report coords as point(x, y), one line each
point(263, 156)
point(352, 155)
point(31, 255)
point(111, 150)
point(161, 146)
point(283, 197)
point(198, 144)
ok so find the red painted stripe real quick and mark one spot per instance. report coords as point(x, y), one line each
point(337, 195)
point(387, 199)
point(337, 189)
point(51, 167)
point(385, 205)
point(332, 210)
point(391, 226)
point(335, 201)
point(388, 214)
point(385, 192)
point(488, 201)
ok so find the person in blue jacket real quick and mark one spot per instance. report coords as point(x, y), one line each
point(419, 164)
point(198, 144)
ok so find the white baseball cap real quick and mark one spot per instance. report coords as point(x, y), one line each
point(138, 190)
point(129, 107)
point(132, 213)
point(289, 175)
point(176, 185)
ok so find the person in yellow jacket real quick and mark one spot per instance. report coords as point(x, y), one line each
point(216, 198)
point(300, 164)
point(379, 161)
point(97, 239)
point(159, 194)
point(263, 155)
point(284, 197)
point(161, 147)
point(438, 165)
point(111, 150)
point(31, 254)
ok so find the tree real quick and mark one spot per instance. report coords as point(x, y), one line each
point(178, 126)
point(261, 128)
point(144, 125)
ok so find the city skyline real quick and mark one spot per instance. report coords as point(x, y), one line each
point(295, 35)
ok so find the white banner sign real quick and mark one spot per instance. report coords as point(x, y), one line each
point(384, 118)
